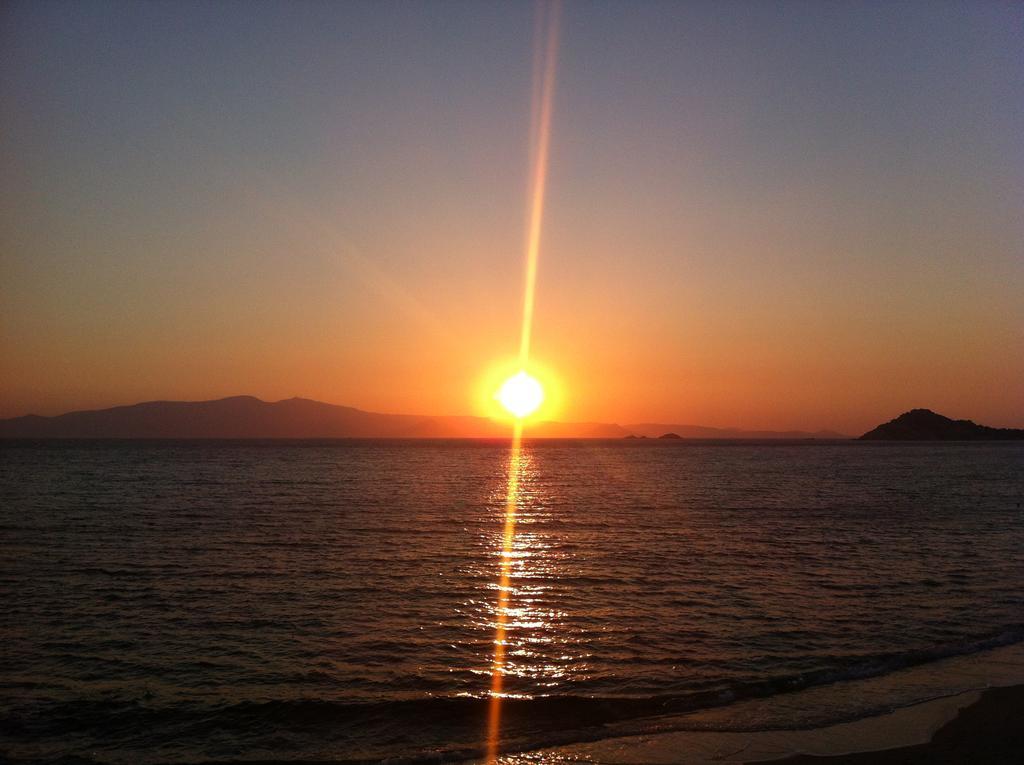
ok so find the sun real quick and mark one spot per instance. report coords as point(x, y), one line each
point(521, 394)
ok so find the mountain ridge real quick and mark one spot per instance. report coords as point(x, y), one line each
point(301, 418)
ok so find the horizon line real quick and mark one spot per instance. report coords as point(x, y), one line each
point(649, 423)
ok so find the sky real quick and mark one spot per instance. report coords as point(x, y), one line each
point(764, 215)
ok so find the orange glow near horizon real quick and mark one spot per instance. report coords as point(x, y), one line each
point(522, 394)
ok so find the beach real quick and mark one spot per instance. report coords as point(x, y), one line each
point(965, 709)
point(989, 731)
point(977, 727)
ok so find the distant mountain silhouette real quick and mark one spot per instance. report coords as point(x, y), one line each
point(926, 425)
point(249, 417)
point(670, 435)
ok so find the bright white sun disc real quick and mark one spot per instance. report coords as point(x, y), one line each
point(521, 394)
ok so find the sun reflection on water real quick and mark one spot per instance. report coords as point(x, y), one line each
point(535, 649)
point(510, 557)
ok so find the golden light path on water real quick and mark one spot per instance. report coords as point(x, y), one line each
point(504, 591)
point(546, 42)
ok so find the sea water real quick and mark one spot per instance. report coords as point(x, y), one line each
point(194, 601)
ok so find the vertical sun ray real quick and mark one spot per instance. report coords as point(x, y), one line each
point(546, 48)
point(543, 98)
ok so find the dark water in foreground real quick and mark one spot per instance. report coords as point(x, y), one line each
point(185, 602)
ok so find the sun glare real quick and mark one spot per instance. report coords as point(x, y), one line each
point(521, 394)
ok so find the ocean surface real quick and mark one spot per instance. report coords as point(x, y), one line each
point(188, 602)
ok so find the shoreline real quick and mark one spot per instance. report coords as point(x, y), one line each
point(854, 722)
point(987, 731)
point(974, 726)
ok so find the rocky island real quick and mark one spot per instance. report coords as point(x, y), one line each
point(926, 425)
